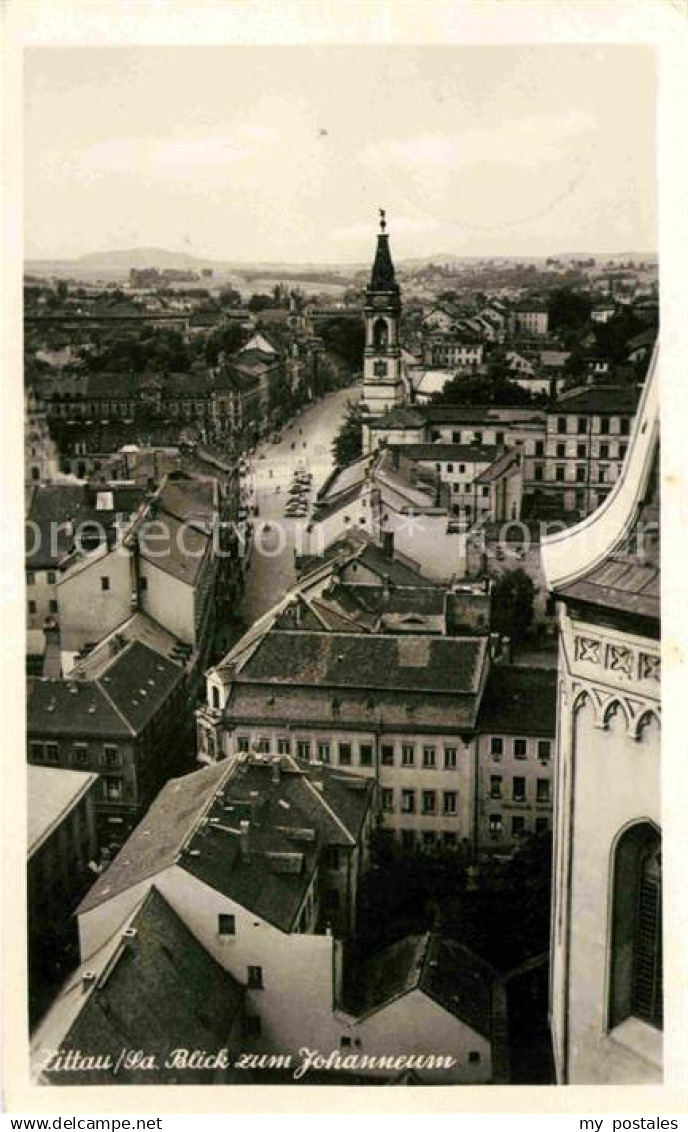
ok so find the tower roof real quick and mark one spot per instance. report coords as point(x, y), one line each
point(382, 277)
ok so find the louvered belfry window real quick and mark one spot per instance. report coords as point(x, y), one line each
point(636, 952)
point(647, 973)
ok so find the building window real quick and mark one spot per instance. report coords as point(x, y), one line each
point(407, 754)
point(580, 451)
point(518, 791)
point(408, 801)
point(449, 802)
point(541, 825)
point(263, 745)
point(582, 424)
point(366, 754)
point(623, 448)
point(580, 475)
point(625, 426)
point(284, 746)
point(561, 424)
point(604, 451)
point(30, 578)
point(539, 472)
point(636, 982)
point(495, 822)
point(345, 754)
point(255, 978)
point(105, 583)
point(242, 743)
point(324, 752)
point(36, 752)
point(429, 802)
point(539, 448)
point(602, 474)
point(561, 450)
point(111, 756)
point(303, 749)
point(450, 839)
point(450, 758)
point(32, 607)
point(495, 785)
point(473, 1057)
point(429, 757)
point(496, 745)
point(560, 473)
point(214, 696)
point(544, 749)
point(386, 800)
point(520, 748)
point(226, 924)
point(542, 794)
point(428, 839)
point(332, 859)
point(408, 840)
point(518, 826)
point(52, 753)
point(387, 755)
point(112, 788)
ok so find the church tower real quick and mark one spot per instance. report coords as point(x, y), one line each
point(383, 383)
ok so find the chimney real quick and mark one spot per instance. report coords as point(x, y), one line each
point(88, 980)
point(244, 827)
point(388, 544)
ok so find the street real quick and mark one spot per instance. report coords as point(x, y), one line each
point(272, 565)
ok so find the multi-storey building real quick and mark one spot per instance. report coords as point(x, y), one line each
point(515, 757)
point(449, 350)
point(62, 842)
point(233, 900)
point(367, 667)
point(606, 949)
point(530, 317)
point(121, 715)
point(40, 450)
point(584, 448)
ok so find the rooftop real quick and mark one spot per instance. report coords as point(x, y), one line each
point(124, 696)
point(444, 970)
point(52, 793)
point(621, 399)
point(155, 988)
point(519, 701)
point(289, 812)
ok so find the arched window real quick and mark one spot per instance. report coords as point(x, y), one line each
point(636, 972)
point(380, 334)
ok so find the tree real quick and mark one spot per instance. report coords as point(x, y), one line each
point(225, 339)
point(229, 297)
point(348, 443)
point(569, 309)
point(513, 595)
point(483, 389)
point(260, 302)
point(345, 338)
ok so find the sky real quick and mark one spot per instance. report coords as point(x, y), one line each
point(285, 154)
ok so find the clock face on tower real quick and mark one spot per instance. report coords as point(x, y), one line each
point(380, 369)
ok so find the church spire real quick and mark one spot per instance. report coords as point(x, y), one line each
point(382, 278)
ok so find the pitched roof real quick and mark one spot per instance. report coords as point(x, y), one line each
point(519, 701)
point(51, 508)
point(289, 811)
point(621, 399)
point(156, 988)
point(382, 277)
point(120, 700)
point(446, 971)
point(333, 660)
point(52, 793)
point(470, 453)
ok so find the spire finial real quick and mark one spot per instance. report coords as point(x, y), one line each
point(383, 222)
